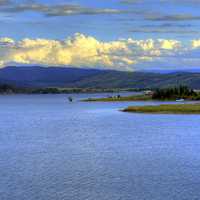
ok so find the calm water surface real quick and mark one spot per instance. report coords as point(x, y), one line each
point(51, 149)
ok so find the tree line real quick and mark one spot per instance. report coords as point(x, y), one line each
point(175, 93)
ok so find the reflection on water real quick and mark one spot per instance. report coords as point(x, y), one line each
point(56, 150)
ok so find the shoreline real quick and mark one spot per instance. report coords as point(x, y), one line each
point(120, 98)
point(165, 109)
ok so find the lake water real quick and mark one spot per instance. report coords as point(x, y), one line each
point(51, 149)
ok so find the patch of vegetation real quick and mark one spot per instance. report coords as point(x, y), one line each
point(121, 98)
point(173, 93)
point(167, 108)
point(165, 94)
point(12, 89)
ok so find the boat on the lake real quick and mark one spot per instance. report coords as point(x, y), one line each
point(70, 99)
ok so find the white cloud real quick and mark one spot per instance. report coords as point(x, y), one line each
point(87, 51)
point(196, 43)
point(6, 40)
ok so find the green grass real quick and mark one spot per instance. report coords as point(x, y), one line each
point(126, 98)
point(166, 108)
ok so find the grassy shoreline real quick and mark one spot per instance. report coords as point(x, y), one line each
point(121, 98)
point(166, 109)
point(165, 94)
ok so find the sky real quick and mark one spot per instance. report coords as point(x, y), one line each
point(105, 34)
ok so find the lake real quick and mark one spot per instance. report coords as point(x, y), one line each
point(51, 149)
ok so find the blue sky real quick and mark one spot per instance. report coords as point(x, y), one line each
point(105, 21)
point(136, 18)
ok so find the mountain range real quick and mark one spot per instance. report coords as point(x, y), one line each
point(41, 77)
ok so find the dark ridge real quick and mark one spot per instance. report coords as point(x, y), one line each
point(35, 76)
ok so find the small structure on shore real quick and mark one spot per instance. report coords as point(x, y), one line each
point(148, 92)
point(180, 100)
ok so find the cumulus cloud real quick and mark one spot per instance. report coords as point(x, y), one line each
point(6, 41)
point(86, 51)
point(196, 43)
